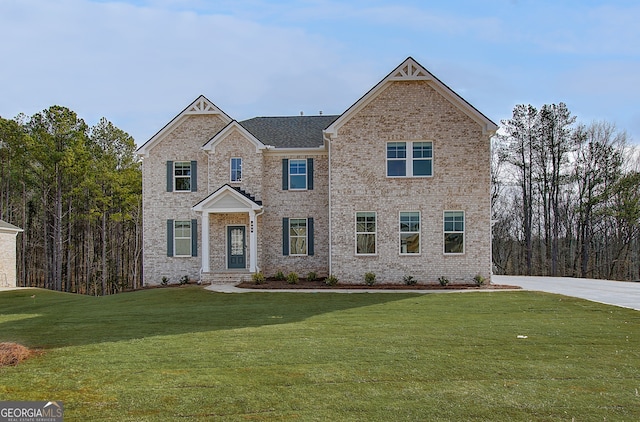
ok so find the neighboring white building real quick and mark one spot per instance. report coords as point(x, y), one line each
point(399, 185)
point(8, 234)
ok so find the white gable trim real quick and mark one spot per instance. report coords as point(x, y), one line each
point(229, 129)
point(226, 200)
point(200, 106)
point(9, 228)
point(410, 70)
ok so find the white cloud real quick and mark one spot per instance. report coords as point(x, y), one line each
point(116, 59)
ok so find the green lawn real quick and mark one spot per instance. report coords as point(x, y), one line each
point(190, 354)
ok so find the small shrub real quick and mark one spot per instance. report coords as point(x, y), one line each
point(165, 281)
point(279, 275)
point(312, 276)
point(184, 280)
point(292, 278)
point(409, 280)
point(443, 280)
point(332, 280)
point(370, 278)
point(480, 280)
point(258, 278)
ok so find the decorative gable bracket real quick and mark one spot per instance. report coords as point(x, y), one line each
point(410, 71)
point(202, 106)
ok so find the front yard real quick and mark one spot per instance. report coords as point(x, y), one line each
point(186, 353)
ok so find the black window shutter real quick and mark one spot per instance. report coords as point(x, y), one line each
point(310, 236)
point(169, 176)
point(194, 176)
point(285, 236)
point(194, 237)
point(285, 174)
point(310, 173)
point(169, 237)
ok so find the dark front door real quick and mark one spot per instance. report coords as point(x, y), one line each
point(236, 247)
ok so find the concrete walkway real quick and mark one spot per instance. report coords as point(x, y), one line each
point(619, 293)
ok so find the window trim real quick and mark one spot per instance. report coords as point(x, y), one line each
point(176, 177)
point(408, 159)
point(176, 238)
point(231, 170)
point(306, 170)
point(419, 233)
point(445, 232)
point(375, 233)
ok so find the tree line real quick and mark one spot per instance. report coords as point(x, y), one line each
point(76, 192)
point(565, 197)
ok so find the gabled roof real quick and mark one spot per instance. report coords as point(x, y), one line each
point(9, 228)
point(228, 199)
point(290, 131)
point(410, 70)
point(228, 129)
point(200, 106)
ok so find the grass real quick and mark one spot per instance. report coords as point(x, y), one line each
point(189, 354)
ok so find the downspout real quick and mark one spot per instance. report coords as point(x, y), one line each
point(328, 141)
point(202, 258)
point(256, 228)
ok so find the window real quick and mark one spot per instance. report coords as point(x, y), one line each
point(182, 238)
point(409, 233)
point(365, 233)
point(454, 232)
point(419, 163)
point(236, 169)
point(297, 236)
point(182, 176)
point(297, 174)
point(396, 159)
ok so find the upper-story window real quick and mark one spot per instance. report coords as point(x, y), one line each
point(182, 176)
point(409, 159)
point(297, 174)
point(236, 169)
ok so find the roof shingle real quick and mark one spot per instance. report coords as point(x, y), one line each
point(290, 131)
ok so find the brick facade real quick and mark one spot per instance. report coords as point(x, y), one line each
point(460, 181)
point(349, 176)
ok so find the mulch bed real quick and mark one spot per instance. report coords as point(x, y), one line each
point(12, 354)
point(320, 284)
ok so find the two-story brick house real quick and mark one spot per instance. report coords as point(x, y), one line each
point(399, 184)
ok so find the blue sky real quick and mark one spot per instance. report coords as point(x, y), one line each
point(140, 62)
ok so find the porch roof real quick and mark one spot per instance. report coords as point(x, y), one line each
point(228, 199)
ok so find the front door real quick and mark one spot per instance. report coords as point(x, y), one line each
point(236, 247)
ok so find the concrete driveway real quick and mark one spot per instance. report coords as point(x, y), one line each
point(618, 293)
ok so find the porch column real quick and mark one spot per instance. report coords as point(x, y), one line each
point(205, 242)
point(253, 241)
